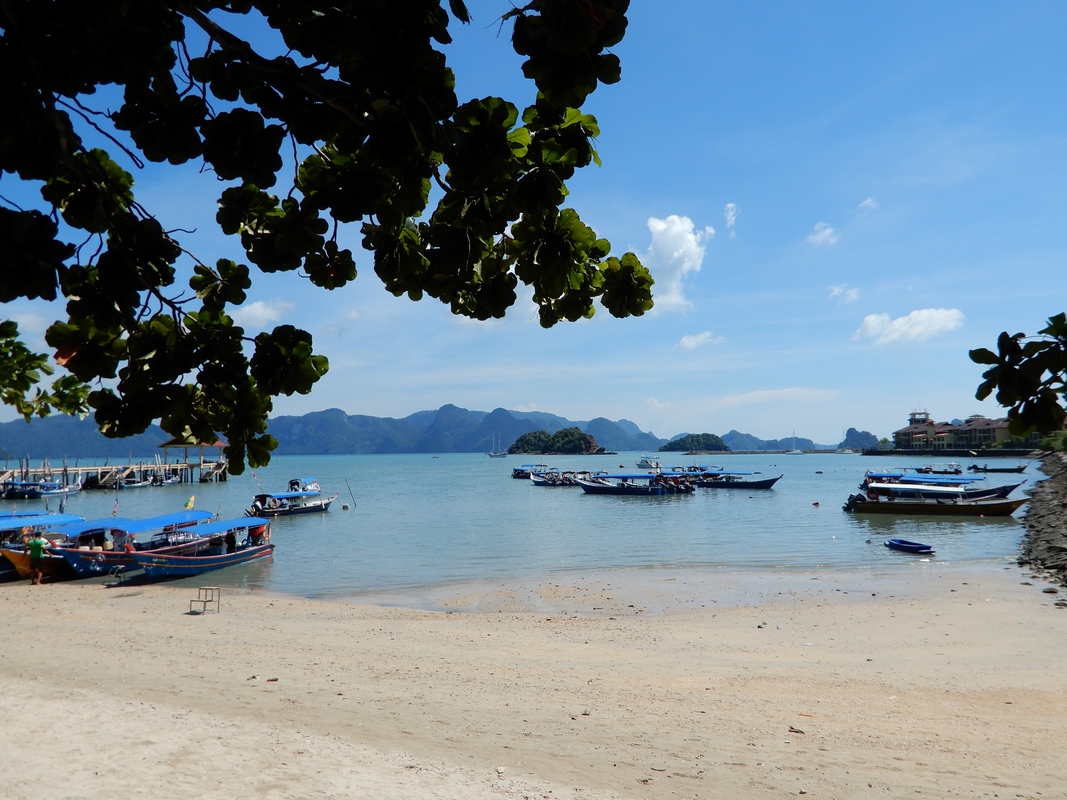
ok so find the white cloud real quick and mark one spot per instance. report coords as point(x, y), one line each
point(676, 250)
point(921, 324)
point(693, 341)
point(30, 324)
point(655, 405)
point(823, 235)
point(846, 294)
point(731, 213)
point(870, 204)
point(792, 395)
point(527, 408)
point(261, 313)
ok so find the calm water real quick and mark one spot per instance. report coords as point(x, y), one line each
point(416, 522)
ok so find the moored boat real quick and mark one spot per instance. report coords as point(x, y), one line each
point(218, 551)
point(723, 479)
point(987, 468)
point(34, 490)
point(524, 471)
point(95, 547)
point(908, 546)
point(954, 506)
point(933, 490)
point(649, 462)
point(14, 527)
point(304, 497)
point(638, 483)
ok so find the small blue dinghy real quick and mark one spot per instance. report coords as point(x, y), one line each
point(907, 546)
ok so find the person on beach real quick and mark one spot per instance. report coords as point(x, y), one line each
point(35, 546)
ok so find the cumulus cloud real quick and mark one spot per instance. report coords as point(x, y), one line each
point(261, 313)
point(870, 204)
point(677, 249)
point(693, 341)
point(731, 216)
point(917, 326)
point(845, 294)
point(527, 408)
point(655, 405)
point(823, 235)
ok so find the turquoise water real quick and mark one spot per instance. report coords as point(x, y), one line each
point(415, 522)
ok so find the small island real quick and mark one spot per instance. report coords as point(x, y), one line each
point(565, 442)
point(696, 443)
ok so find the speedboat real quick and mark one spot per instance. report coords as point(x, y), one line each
point(649, 462)
point(303, 497)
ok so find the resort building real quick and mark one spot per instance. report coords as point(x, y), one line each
point(974, 433)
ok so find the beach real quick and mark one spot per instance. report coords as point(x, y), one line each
point(928, 681)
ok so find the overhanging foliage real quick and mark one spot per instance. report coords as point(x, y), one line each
point(352, 118)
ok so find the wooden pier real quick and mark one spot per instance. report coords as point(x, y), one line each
point(173, 467)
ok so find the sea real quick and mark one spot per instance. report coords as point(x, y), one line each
point(407, 526)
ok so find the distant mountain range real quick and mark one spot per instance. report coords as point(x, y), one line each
point(449, 429)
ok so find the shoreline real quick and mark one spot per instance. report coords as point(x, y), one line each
point(927, 678)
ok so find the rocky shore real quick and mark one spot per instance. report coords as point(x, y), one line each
point(1045, 545)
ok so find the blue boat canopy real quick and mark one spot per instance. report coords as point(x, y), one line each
point(36, 520)
point(133, 525)
point(223, 525)
point(288, 495)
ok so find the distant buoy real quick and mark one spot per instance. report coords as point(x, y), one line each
point(344, 506)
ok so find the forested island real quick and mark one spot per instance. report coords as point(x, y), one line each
point(566, 442)
point(695, 443)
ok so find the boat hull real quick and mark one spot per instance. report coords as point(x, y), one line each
point(313, 507)
point(166, 567)
point(946, 508)
point(53, 566)
point(907, 546)
point(766, 483)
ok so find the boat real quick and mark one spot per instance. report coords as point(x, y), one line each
point(728, 479)
point(915, 486)
point(555, 478)
point(952, 468)
point(954, 506)
point(637, 483)
point(95, 547)
point(304, 497)
point(794, 451)
point(495, 451)
point(34, 490)
point(907, 546)
point(987, 468)
point(214, 555)
point(649, 462)
point(524, 471)
point(14, 526)
point(133, 482)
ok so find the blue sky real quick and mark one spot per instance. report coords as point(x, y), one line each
point(837, 200)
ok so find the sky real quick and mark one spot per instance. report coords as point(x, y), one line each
point(837, 201)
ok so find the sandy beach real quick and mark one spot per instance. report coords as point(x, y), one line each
point(935, 681)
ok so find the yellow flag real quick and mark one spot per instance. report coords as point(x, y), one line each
point(190, 503)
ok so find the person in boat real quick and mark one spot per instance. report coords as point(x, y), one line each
point(35, 545)
point(231, 541)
